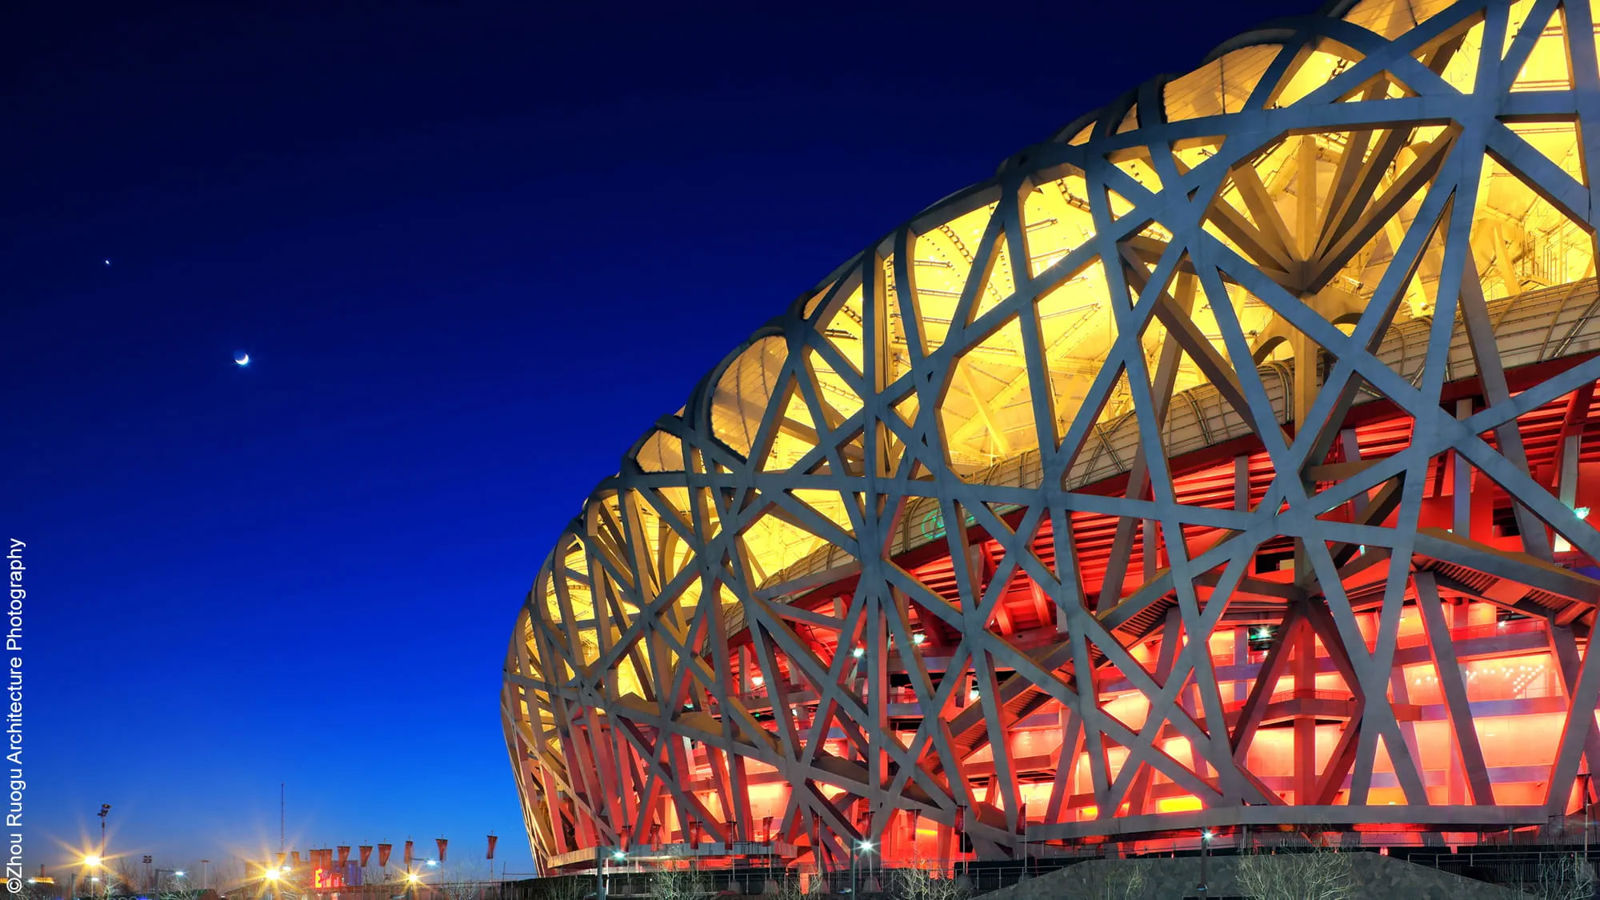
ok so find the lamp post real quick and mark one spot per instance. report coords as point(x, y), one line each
point(105, 810)
point(177, 876)
point(271, 875)
point(619, 857)
point(93, 861)
point(1583, 795)
point(856, 848)
point(1205, 851)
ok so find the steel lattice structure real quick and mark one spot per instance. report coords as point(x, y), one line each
point(1225, 459)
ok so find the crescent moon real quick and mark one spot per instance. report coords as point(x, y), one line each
point(242, 358)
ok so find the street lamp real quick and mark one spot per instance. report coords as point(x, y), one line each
point(105, 810)
point(94, 861)
point(1205, 851)
point(1583, 800)
point(862, 846)
point(271, 875)
point(175, 873)
point(602, 886)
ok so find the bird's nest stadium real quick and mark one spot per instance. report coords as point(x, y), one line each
point(1228, 459)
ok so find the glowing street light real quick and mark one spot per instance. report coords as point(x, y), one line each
point(96, 862)
point(863, 846)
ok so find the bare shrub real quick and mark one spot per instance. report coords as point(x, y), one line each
point(1115, 879)
point(1317, 873)
point(1565, 877)
point(925, 880)
point(677, 884)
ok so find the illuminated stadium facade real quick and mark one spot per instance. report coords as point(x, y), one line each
point(1225, 460)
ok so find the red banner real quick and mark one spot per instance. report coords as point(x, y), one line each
point(280, 859)
point(492, 839)
point(383, 855)
point(294, 859)
point(408, 855)
point(441, 842)
point(344, 856)
point(366, 854)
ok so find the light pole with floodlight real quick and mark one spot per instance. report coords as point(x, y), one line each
point(857, 848)
point(93, 861)
point(1205, 851)
point(618, 856)
point(175, 873)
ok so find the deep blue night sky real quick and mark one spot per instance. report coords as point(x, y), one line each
point(474, 250)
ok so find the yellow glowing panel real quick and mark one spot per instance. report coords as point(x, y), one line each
point(661, 452)
point(794, 436)
point(1184, 803)
point(1391, 18)
point(772, 544)
point(743, 391)
point(1558, 141)
point(1056, 220)
point(843, 329)
point(1315, 70)
point(987, 412)
point(1130, 121)
point(1546, 68)
point(1462, 68)
point(1520, 241)
point(1221, 86)
point(829, 504)
point(942, 263)
point(838, 396)
point(1138, 168)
